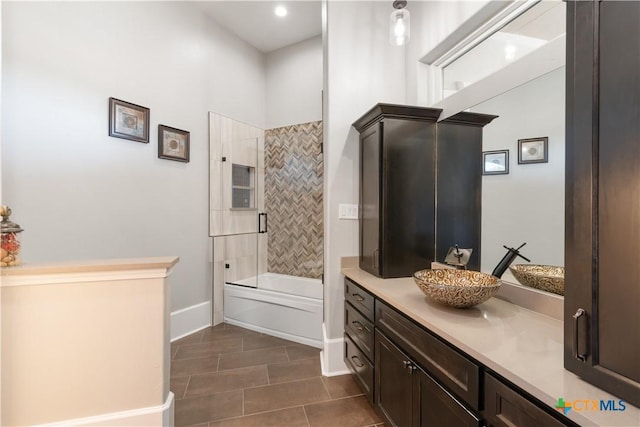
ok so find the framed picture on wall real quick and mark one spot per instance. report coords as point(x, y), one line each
point(173, 144)
point(128, 121)
point(495, 162)
point(533, 150)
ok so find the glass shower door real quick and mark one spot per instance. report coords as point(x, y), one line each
point(243, 222)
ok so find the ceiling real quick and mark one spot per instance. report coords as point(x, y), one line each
point(256, 23)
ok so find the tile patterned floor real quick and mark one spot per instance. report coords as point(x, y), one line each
point(228, 376)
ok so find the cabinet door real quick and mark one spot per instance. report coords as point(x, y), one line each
point(408, 196)
point(504, 407)
point(393, 384)
point(370, 187)
point(459, 178)
point(602, 277)
point(435, 407)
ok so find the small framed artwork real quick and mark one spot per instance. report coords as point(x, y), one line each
point(495, 162)
point(173, 144)
point(128, 121)
point(533, 150)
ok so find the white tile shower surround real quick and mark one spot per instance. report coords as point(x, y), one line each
point(239, 143)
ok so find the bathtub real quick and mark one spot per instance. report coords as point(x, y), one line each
point(283, 306)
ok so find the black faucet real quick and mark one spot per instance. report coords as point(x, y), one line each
point(506, 261)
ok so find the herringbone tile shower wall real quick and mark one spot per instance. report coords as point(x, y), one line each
point(293, 199)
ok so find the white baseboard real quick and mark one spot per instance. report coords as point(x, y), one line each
point(150, 416)
point(189, 320)
point(332, 357)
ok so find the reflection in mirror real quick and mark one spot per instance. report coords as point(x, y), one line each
point(524, 203)
point(527, 204)
point(534, 28)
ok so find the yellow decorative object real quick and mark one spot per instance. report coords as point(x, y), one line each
point(10, 242)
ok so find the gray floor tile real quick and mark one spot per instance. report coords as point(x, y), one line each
point(252, 358)
point(280, 396)
point(213, 407)
point(234, 379)
point(296, 370)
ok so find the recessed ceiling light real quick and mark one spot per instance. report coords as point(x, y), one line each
point(281, 11)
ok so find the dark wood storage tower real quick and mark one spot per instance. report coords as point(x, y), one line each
point(602, 242)
point(420, 187)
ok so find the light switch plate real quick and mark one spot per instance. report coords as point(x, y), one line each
point(347, 211)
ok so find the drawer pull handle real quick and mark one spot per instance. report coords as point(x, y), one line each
point(576, 323)
point(358, 325)
point(357, 361)
point(409, 366)
point(358, 297)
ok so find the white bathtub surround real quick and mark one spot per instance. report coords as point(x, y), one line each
point(283, 306)
point(85, 340)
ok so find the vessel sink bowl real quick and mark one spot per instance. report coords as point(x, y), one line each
point(457, 288)
point(549, 278)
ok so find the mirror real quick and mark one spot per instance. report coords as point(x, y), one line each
point(525, 203)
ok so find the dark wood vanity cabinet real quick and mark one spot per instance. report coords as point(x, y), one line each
point(602, 241)
point(359, 335)
point(393, 383)
point(415, 379)
point(407, 396)
point(420, 187)
point(504, 407)
point(397, 187)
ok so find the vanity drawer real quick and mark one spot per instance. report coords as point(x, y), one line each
point(504, 407)
point(360, 330)
point(359, 298)
point(360, 366)
point(453, 370)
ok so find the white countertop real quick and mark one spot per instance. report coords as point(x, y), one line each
point(523, 346)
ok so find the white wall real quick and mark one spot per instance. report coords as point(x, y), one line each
point(294, 84)
point(527, 205)
point(363, 69)
point(79, 193)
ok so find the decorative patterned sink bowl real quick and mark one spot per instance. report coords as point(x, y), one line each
point(543, 277)
point(457, 288)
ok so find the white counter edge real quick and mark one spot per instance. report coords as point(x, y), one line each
point(88, 271)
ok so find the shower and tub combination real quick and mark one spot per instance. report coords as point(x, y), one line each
point(266, 220)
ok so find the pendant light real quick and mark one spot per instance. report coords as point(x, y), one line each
point(399, 24)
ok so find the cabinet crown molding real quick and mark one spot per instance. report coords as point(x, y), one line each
point(382, 110)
